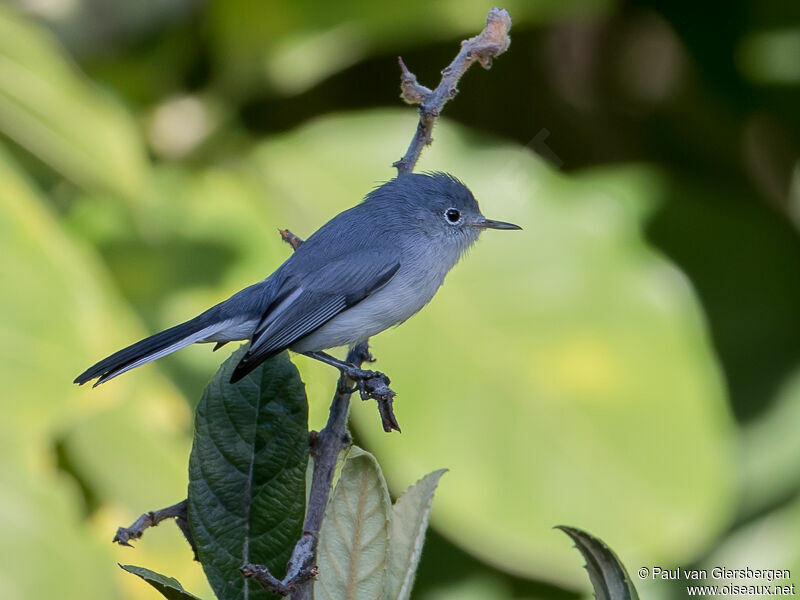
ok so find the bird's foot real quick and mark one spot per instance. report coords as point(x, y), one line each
point(369, 384)
point(372, 385)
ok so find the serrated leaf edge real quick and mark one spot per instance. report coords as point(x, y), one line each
point(588, 545)
point(419, 539)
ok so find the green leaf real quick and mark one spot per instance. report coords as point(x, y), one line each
point(609, 577)
point(247, 473)
point(409, 523)
point(354, 538)
point(170, 588)
point(50, 109)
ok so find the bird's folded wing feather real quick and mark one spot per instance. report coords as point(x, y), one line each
point(305, 303)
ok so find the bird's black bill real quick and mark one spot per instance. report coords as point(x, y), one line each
point(490, 224)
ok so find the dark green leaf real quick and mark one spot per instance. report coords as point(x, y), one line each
point(609, 577)
point(169, 587)
point(247, 473)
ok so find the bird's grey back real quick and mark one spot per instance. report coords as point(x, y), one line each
point(397, 216)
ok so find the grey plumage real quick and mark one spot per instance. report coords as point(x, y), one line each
point(368, 268)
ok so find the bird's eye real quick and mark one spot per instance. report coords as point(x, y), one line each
point(452, 215)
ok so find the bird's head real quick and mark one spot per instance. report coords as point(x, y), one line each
point(445, 207)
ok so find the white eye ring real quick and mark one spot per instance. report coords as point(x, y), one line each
point(452, 216)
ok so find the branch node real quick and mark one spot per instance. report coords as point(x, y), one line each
point(265, 579)
point(488, 44)
point(411, 90)
point(299, 569)
point(290, 238)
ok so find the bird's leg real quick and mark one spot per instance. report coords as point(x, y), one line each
point(367, 382)
point(370, 384)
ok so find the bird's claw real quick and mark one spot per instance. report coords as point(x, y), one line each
point(374, 385)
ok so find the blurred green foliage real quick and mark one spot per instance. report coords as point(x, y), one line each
point(627, 364)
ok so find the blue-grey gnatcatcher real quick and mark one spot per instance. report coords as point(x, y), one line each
point(368, 268)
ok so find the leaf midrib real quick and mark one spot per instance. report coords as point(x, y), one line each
point(352, 572)
point(247, 490)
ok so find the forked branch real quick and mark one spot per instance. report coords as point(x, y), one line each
point(483, 48)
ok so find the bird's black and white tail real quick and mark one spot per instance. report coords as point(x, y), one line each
point(151, 348)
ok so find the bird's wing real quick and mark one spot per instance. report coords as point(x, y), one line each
point(305, 303)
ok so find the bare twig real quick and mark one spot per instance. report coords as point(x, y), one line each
point(269, 582)
point(411, 90)
point(136, 530)
point(488, 44)
point(386, 410)
point(290, 238)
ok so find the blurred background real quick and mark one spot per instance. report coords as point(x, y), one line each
point(628, 364)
